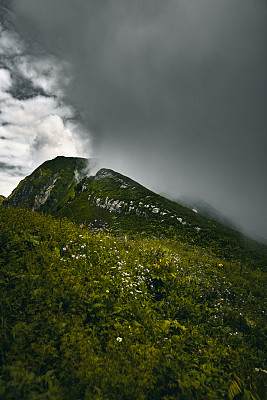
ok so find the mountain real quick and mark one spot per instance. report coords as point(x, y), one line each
point(50, 185)
point(204, 208)
point(108, 291)
point(207, 210)
point(66, 187)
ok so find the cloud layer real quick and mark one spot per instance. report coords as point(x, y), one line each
point(173, 92)
point(36, 123)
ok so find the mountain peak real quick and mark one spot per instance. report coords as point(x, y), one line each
point(50, 184)
point(105, 173)
point(67, 187)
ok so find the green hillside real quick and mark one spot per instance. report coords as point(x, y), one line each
point(112, 200)
point(89, 315)
point(50, 185)
point(65, 187)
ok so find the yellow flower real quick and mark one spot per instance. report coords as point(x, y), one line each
point(119, 339)
point(107, 291)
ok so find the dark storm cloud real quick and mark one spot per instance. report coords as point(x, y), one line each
point(173, 92)
point(11, 169)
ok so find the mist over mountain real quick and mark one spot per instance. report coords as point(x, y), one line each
point(110, 288)
point(170, 93)
point(206, 209)
point(36, 121)
point(102, 198)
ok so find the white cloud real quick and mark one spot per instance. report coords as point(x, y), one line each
point(8, 183)
point(31, 111)
point(10, 43)
point(34, 129)
point(46, 72)
point(53, 138)
point(5, 80)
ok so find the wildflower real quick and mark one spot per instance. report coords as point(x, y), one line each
point(107, 291)
point(199, 351)
point(119, 339)
point(260, 369)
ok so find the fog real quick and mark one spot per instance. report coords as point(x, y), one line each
point(170, 92)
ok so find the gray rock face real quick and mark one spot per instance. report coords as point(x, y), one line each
point(45, 192)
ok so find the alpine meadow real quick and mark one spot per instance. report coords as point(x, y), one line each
point(110, 291)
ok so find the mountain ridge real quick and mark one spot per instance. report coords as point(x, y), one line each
point(101, 301)
point(69, 187)
point(37, 188)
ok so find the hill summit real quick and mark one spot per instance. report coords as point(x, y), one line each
point(69, 187)
point(110, 291)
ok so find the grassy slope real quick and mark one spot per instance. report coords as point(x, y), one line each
point(57, 187)
point(90, 316)
point(215, 237)
point(62, 171)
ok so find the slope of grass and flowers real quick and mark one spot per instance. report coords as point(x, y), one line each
point(129, 208)
point(65, 187)
point(93, 315)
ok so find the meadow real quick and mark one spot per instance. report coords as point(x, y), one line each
point(95, 314)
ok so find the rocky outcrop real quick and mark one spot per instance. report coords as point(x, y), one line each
point(44, 194)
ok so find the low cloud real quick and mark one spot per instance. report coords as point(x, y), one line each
point(172, 93)
point(10, 43)
point(53, 137)
point(7, 167)
point(36, 123)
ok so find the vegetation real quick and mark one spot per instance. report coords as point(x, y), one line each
point(61, 187)
point(50, 185)
point(129, 208)
point(96, 314)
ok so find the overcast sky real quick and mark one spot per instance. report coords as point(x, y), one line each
point(172, 93)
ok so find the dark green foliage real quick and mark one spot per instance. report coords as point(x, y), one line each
point(129, 208)
point(50, 185)
point(98, 316)
point(61, 187)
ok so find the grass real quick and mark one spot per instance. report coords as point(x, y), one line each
point(61, 187)
point(91, 314)
point(129, 208)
